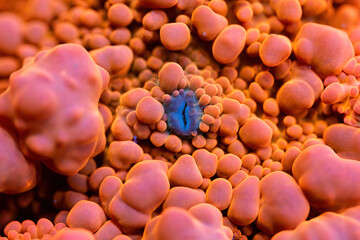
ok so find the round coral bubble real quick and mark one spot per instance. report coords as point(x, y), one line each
point(170, 76)
point(66, 31)
point(288, 11)
point(120, 15)
point(229, 44)
point(124, 153)
point(158, 3)
point(74, 234)
point(324, 48)
point(208, 23)
point(295, 97)
point(149, 110)
point(153, 20)
point(219, 193)
point(175, 36)
point(87, 215)
point(275, 50)
point(12, 25)
point(255, 133)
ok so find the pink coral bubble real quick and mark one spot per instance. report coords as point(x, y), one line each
point(315, 43)
point(19, 172)
point(74, 234)
point(64, 133)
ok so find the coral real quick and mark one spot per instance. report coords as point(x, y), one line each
point(316, 43)
point(15, 179)
point(330, 225)
point(343, 139)
point(297, 95)
point(202, 221)
point(229, 44)
point(150, 178)
point(183, 113)
point(86, 215)
point(179, 119)
point(336, 187)
point(342, 92)
point(72, 234)
point(244, 206)
point(63, 134)
point(274, 216)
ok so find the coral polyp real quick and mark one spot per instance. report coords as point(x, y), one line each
point(183, 113)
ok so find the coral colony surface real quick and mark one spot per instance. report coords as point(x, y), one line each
point(180, 119)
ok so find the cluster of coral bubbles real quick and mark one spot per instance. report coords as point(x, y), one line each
point(180, 119)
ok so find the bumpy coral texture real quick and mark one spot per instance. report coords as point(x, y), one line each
point(53, 103)
point(15, 179)
point(200, 222)
point(330, 225)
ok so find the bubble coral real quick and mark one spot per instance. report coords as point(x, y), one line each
point(145, 188)
point(86, 215)
point(208, 23)
point(184, 197)
point(244, 206)
point(335, 177)
point(109, 230)
point(15, 179)
point(229, 44)
point(208, 104)
point(343, 139)
point(192, 110)
point(315, 44)
point(283, 206)
point(13, 25)
point(200, 222)
point(297, 95)
point(157, 3)
point(329, 225)
point(53, 103)
point(274, 50)
point(175, 36)
point(72, 234)
point(42, 229)
point(114, 59)
point(185, 173)
point(342, 93)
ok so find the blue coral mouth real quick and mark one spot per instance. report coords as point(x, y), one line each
point(184, 114)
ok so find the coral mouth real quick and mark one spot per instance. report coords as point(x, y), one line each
point(184, 113)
